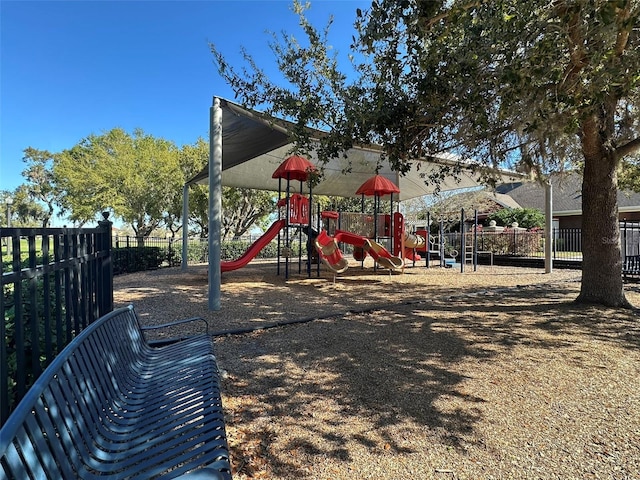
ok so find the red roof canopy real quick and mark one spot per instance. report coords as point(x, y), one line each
point(294, 168)
point(378, 186)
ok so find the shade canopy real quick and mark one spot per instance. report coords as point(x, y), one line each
point(295, 168)
point(254, 145)
point(377, 186)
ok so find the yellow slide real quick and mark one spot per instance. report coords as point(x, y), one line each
point(330, 254)
point(382, 256)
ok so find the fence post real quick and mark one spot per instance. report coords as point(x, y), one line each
point(105, 295)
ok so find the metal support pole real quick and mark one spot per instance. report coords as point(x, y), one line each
point(624, 239)
point(463, 243)
point(376, 202)
point(279, 231)
point(548, 227)
point(319, 216)
point(475, 240)
point(427, 248)
point(391, 231)
point(310, 233)
point(185, 227)
point(286, 232)
point(215, 203)
point(442, 249)
point(300, 236)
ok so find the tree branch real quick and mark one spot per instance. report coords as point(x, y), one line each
point(577, 53)
point(443, 16)
point(623, 34)
point(628, 148)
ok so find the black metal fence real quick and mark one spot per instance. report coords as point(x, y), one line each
point(132, 254)
point(567, 242)
point(518, 243)
point(55, 282)
point(630, 238)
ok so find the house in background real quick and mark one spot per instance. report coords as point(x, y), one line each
point(567, 199)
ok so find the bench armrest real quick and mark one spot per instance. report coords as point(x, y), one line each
point(178, 322)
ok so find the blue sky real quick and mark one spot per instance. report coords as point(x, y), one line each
point(72, 68)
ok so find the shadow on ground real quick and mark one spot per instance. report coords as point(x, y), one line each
point(395, 372)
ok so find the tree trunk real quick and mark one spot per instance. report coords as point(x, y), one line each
point(601, 259)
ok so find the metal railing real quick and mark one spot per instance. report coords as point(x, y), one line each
point(630, 238)
point(55, 281)
point(567, 244)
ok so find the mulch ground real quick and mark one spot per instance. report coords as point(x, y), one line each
point(427, 374)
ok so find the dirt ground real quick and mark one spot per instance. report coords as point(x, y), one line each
point(430, 373)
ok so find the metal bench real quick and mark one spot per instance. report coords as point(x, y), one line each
point(631, 266)
point(112, 406)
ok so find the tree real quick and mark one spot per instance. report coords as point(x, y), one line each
point(24, 210)
point(41, 184)
point(525, 217)
point(449, 205)
point(543, 83)
point(199, 209)
point(242, 208)
point(191, 159)
point(535, 84)
point(5, 207)
point(136, 176)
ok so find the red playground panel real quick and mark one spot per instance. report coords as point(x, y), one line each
point(298, 209)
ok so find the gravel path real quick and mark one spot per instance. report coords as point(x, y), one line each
point(492, 374)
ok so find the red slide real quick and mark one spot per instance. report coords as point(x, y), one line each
point(351, 238)
point(254, 248)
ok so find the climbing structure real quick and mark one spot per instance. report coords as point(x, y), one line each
point(293, 208)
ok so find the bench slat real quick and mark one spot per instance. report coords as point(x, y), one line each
point(62, 441)
point(51, 454)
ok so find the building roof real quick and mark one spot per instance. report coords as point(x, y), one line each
point(567, 195)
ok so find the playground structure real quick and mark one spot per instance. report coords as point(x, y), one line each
point(382, 236)
point(245, 142)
